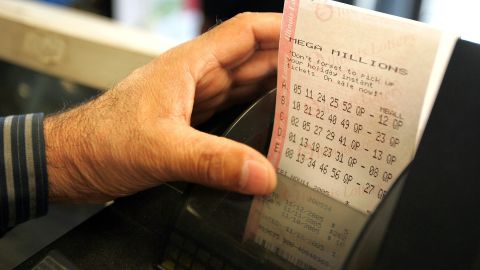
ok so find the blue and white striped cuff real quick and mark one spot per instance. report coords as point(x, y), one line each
point(23, 170)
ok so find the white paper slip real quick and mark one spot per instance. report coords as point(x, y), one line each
point(308, 229)
point(354, 92)
point(351, 88)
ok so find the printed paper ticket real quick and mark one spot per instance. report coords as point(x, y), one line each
point(351, 85)
point(354, 91)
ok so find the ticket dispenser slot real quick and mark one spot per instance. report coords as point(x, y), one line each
point(294, 228)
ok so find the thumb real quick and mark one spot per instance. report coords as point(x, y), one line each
point(222, 163)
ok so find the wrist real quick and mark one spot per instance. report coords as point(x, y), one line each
point(65, 152)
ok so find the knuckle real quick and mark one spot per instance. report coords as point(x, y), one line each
point(244, 17)
point(211, 168)
point(221, 165)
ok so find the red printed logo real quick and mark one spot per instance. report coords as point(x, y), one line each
point(323, 11)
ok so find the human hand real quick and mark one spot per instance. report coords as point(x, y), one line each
point(138, 134)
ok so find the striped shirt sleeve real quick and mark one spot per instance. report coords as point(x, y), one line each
point(23, 170)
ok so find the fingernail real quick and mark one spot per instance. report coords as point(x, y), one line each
point(254, 179)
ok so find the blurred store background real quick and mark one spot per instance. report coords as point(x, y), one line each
point(183, 19)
